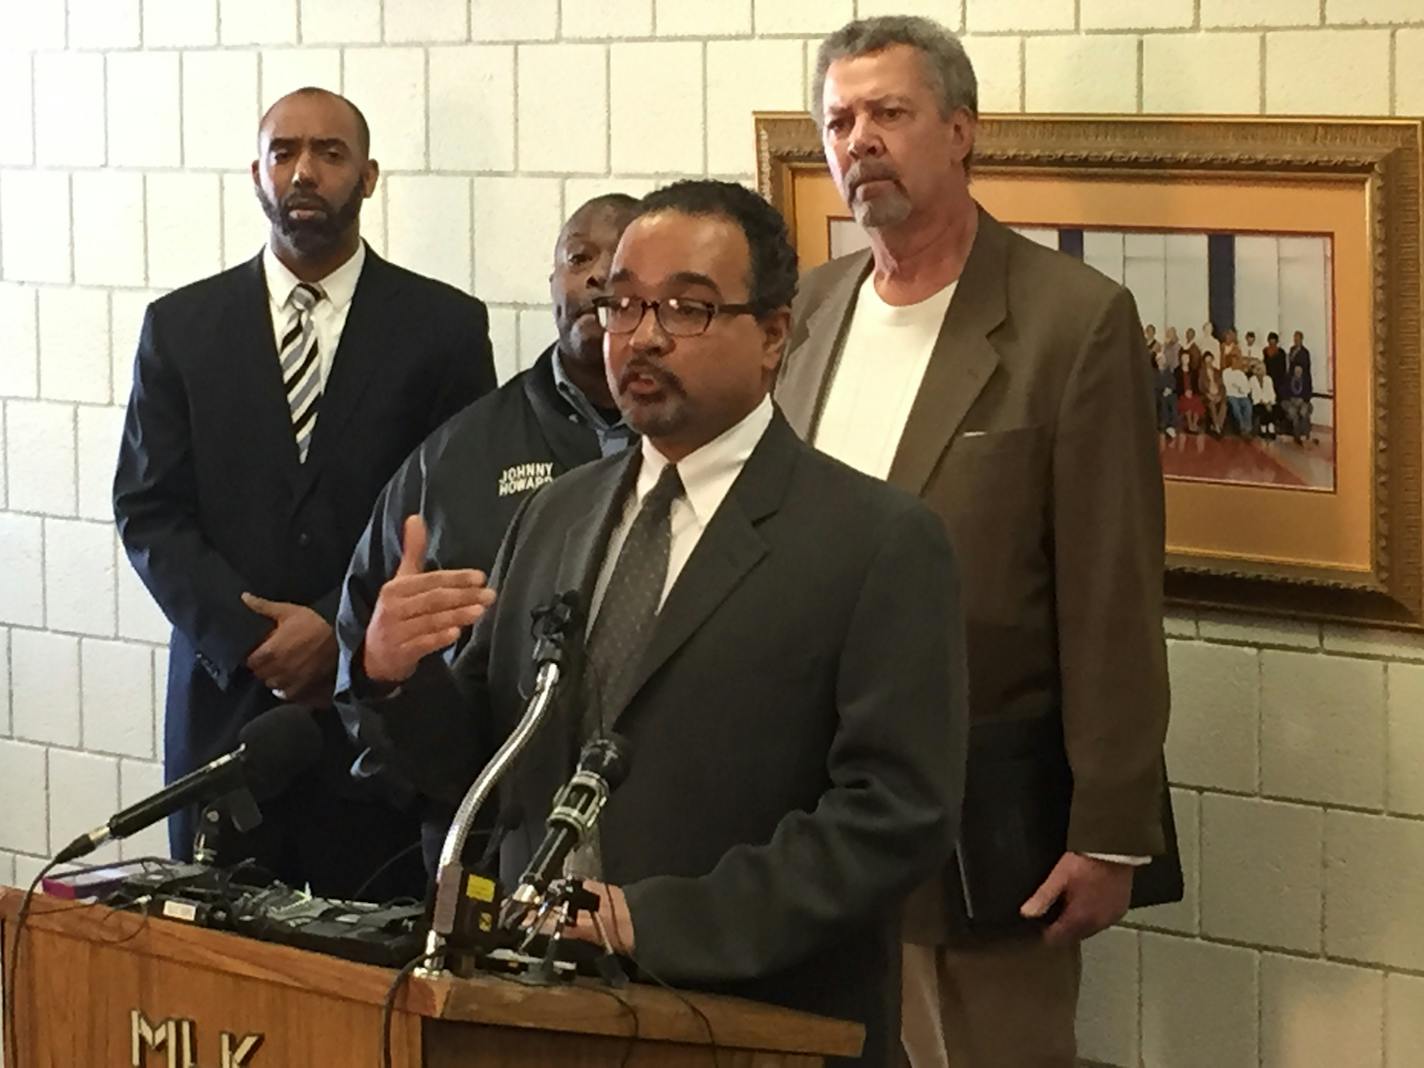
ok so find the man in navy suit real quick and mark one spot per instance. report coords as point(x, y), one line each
point(270, 404)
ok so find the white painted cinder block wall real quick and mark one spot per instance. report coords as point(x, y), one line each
point(125, 132)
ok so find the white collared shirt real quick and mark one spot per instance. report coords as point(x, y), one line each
point(328, 316)
point(707, 475)
point(887, 348)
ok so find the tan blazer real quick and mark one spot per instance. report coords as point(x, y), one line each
point(1033, 438)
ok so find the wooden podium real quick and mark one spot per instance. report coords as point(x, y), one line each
point(99, 988)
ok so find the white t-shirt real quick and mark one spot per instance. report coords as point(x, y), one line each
point(883, 360)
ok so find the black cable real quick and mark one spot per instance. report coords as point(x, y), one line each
point(12, 989)
point(706, 1023)
point(401, 855)
point(388, 1005)
point(143, 904)
point(632, 1011)
point(637, 1024)
point(11, 1027)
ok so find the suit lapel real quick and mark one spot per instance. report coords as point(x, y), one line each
point(962, 363)
point(254, 385)
point(804, 380)
point(369, 339)
point(728, 549)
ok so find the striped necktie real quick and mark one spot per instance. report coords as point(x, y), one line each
point(301, 365)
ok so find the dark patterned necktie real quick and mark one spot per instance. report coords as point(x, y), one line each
point(301, 365)
point(621, 631)
point(630, 603)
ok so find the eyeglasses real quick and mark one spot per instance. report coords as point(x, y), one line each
point(678, 316)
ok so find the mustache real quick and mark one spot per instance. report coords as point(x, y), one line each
point(663, 377)
point(574, 308)
point(869, 170)
point(305, 201)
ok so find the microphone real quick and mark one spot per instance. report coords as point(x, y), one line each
point(273, 749)
point(602, 767)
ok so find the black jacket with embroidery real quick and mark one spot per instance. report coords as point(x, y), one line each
point(467, 480)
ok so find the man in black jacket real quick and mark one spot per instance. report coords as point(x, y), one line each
point(270, 403)
point(469, 478)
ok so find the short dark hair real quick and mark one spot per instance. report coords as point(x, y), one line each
point(1273, 336)
point(772, 284)
point(363, 129)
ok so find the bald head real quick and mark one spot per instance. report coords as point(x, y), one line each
point(582, 257)
point(358, 133)
point(613, 205)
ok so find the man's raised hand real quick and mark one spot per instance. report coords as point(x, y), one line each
point(419, 612)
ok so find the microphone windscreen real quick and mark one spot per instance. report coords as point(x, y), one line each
point(279, 744)
point(607, 756)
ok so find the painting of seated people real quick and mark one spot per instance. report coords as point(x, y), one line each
point(1237, 330)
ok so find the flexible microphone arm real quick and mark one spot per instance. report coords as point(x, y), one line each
point(552, 625)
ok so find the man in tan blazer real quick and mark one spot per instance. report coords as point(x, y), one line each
point(1002, 382)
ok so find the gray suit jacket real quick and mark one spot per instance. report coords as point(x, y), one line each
point(1032, 437)
point(797, 726)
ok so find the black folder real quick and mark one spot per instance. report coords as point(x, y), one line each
point(1017, 794)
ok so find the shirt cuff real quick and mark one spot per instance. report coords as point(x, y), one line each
point(1118, 858)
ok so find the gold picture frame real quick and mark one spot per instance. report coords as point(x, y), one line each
point(1347, 547)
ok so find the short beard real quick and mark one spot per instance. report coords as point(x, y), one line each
point(312, 237)
point(888, 209)
point(661, 421)
point(658, 420)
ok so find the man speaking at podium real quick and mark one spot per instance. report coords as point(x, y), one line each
point(775, 634)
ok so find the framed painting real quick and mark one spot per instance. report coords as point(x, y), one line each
point(1276, 267)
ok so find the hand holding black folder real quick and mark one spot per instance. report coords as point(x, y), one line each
point(1017, 795)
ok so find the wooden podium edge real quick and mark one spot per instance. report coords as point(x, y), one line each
point(584, 1007)
point(221, 951)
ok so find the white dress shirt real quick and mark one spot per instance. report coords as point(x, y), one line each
point(328, 316)
point(707, 475)
point(882, 362)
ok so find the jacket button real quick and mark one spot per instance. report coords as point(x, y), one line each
point(303, 539)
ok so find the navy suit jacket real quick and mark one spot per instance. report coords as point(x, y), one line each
point(210, 496)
